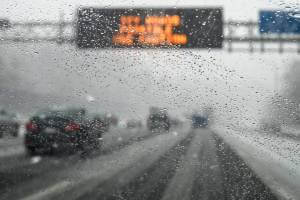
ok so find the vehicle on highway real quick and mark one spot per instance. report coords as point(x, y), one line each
point(62, 130)
point(132, 123)
point(112, 119)
point(5, 24)
point(8, 123)
point(199, 121)
point(158, 119)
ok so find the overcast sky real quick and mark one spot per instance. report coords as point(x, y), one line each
point(129, 84)
point(50, 9)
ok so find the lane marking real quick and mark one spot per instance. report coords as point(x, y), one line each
point(12, 151)
point(133, 159)
point(89, 174)
point(54, 189)
point(35, 159)
point(180, 186)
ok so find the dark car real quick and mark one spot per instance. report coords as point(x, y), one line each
point(4, 24)
point(199, 121)
point(112, 119)
point(64, 130)
point(8, 123)
point(132, 123)
point(158, 120)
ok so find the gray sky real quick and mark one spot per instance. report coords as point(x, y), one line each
point(127, 84)
point(50, 9)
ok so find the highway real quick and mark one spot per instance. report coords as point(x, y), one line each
point(134, 164)
point(71, 70)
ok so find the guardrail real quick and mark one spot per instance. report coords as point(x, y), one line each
point(247, 33)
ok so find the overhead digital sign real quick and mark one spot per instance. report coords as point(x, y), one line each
point(149, 28)
point(278, 22)
point(156, 30)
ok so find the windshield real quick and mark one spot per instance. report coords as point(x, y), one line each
point(149, 100)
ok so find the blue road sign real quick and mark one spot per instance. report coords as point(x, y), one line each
point(278, 22)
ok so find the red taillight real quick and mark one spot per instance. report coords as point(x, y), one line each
point(30, 126)
point(72, 127)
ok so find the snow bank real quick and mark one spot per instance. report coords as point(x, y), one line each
point(276, 160)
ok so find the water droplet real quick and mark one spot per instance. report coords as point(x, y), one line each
point(295, 15)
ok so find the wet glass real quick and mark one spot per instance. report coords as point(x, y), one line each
point(149, 100)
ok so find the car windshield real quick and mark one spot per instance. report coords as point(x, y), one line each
point(149, 100)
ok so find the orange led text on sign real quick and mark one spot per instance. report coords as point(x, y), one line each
point(156, 30)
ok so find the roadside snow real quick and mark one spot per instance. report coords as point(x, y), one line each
point(275, 159)
point(10, 146)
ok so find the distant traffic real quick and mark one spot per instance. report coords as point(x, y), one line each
point(74, 129)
